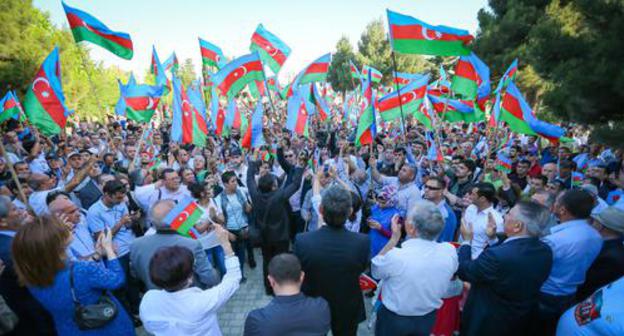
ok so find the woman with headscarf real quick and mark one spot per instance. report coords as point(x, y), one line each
point(381, 217)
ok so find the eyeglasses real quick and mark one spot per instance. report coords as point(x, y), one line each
point(432, 188)
point(289, 155)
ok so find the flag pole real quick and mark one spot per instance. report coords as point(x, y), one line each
point(20, 190)
point(266, 88)
point(396, 84)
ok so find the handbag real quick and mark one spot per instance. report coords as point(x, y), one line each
point(95, 315)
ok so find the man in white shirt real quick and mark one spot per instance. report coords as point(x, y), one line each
point(407, 190)
point(420, 270)
point(168, 187)
point(478, 213)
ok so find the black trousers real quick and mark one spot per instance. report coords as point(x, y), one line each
point(391, 324)
point(549, 310)
point(128, 294)
point(296, 224)
point(270, 250)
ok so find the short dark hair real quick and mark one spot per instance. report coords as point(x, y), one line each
point(114, 186)
point(51, 196)
point(400, 150)
point(486, 190)
point(525, 162)
point(285, 268)
point(225, 177)
point(166, 171)
point(336, 205)
point(266, 183)
point(197, 189)
point(567, 164)
point(470, 164)
point(541, 177)
point(579, 203)
point(170, 267)
point(441, 181)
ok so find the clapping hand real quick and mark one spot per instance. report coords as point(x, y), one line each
point(490, 230)
point(466, 230)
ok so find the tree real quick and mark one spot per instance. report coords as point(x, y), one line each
point(374, 50)
point(578, 46)
point(186, 73)
point(339, 72)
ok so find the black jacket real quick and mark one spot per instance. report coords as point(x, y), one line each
point(505, 283)
point(289, 315)
point(271, 209)
point(333, 259)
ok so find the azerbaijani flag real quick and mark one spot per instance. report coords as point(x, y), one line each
point(409, 35)
point(503, 163)
point(423, 115)
point(183, 217)
point(211, 54)
point(271, 49)
point(315, 72)
point(194, 93)
point(253, 137)
point(298, 113)
point(44, 103)
point(233, 77)
point(367, 125)
point(85, 27)
point(456, 110)
point(404, 78)
point(9, 107)
point(375, 74)
point(138, 102)
point(409, 101)
point(232, 118)
point(171, 63)
point(509, 75)
point(320, 103)
point(355, 73)
point(188, 126)
point(517, 113)
point(470, 75)
point(159, 71)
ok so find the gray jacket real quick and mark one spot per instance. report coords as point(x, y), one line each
point(143, 248)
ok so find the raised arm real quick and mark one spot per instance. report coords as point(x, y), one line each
point(251, 179)
point(80, 175)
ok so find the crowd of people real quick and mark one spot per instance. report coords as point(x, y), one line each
point(460, 245)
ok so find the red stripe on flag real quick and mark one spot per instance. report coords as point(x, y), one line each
point(270, 49)
point(48, 99)
point(302, 118)
point(207, 53)
point(75, 22)
point(181, 217)
point(317, 68)
point(415, 32)
point(142, 103)
point(512, 105)
point(466, 69)
point(9, 104)
point(406, 98)
point(239, 72)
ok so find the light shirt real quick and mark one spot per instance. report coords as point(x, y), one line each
point(82, 244)
point(39, 165)
point(19, 204)
point(420, 270)
point(600, 206)
point(479, 221)
point(407, 194)
point(236, 219)
point(602, 314)
point(190, 311)
point(100, 217)
point(148, 195)
point(37, 201)
point(575, 244)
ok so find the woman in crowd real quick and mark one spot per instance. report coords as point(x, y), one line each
point(381, 218)
point(42, 265)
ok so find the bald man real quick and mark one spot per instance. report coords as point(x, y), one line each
point(82, 246)
point(550, 171)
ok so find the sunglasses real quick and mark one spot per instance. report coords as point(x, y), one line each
point(432, 188)
point(289, 155)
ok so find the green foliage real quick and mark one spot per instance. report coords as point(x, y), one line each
point(27, 37)
point(186, 73)
point(339, 72)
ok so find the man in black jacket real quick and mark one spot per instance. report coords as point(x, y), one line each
point(506, 278)
point(333, 259)
point(271, 213)
point(290, 312)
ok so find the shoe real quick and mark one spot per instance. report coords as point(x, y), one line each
point(252, 263)
point(136, 321)
point(243, 280)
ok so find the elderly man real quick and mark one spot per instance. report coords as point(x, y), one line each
point(142, 249)
point(420, 270)
point(168, 187)
point(575, 245)
point(550, 171)
point(333, 259)
point(82, 246)
point(407, 190)
point(33, 319)
point(609, 265)
point(506, 278)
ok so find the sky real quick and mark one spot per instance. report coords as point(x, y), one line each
point(310, 28)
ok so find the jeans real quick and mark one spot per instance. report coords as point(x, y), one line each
point(391, 324)
point(239, 246)
point(128, 294)
point(217, 258)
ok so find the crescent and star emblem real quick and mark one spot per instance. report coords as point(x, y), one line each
point(425, 34)
point(44, 93)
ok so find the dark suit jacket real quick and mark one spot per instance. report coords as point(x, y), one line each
point(333, 259)
point(289, 315)
point(33, 318)
point(271, 209)
point(505, 283)
point(606, 268)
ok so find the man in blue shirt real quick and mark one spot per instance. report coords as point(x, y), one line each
point(575, 244)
